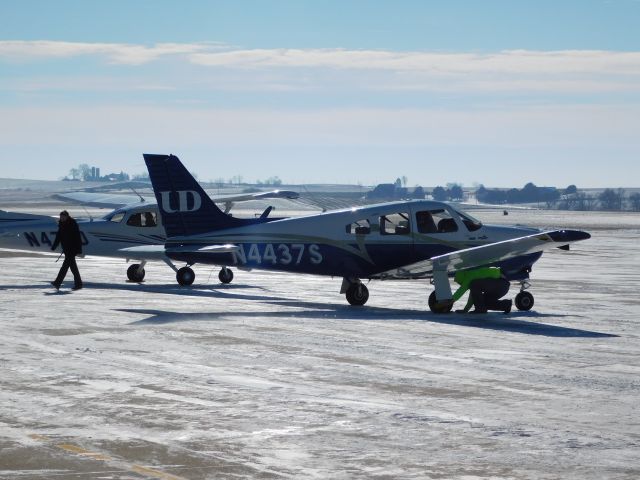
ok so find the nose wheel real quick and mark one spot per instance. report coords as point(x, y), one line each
point(524, 301)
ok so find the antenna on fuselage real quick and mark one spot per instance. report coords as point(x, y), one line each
point(90, 216)
point(141, 197)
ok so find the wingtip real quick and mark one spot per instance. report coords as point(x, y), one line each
point(569, 236)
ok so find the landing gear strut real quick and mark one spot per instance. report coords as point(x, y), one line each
point(440, 299)
point(185, 276)
point(225, 275)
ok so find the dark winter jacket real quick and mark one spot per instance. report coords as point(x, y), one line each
point(69, 237)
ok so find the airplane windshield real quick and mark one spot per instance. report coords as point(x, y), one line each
point(471, 223)
point(115, 217)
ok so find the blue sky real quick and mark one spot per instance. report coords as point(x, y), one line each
point(492, 92)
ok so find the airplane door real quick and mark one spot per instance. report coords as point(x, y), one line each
point(393, 246)
point(436, 232)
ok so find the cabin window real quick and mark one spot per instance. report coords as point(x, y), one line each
point(425, 222)
point(142, 219)
point(116, 218)
point(435, 221)
point(361, 227)
point(394, 224)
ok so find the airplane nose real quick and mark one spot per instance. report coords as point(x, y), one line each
point(569, 235)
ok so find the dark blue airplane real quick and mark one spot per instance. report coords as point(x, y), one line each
point(396, 240)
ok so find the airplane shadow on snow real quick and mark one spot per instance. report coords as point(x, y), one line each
point(516, 322)
point(209, 291)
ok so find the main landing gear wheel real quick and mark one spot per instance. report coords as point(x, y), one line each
point(225, 275)
point(524, 301)
point(185, 276)
point(135, 273)
point(357, 294)
point(438, 308)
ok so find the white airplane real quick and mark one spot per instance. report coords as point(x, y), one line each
point(397, 240)
point(130, 224)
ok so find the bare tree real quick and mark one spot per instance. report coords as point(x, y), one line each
point(634, 199)
point(85, 171)
point(611, 199)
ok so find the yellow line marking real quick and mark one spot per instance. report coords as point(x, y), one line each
point(81, 451)
point(68, 447)
point(153, 473)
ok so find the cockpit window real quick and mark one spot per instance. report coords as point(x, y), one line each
point(394, 224)
point(116, 217)
point(435, 221)
point(142, 219)
point(471, 223)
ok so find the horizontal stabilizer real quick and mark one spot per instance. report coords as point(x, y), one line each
point(146, 252)
point(155, 251)
point(10, 222)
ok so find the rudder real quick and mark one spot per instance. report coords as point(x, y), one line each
point(185, 207)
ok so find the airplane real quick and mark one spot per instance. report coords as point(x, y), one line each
point(129, 224)
point(417, 239)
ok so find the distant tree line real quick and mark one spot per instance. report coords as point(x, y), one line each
point(453, 191)
point(396, 190)
point(568, 199)
point(530, 193)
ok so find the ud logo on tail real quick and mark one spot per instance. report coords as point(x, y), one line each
point(183, 201)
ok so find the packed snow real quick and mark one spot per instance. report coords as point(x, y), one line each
point(276, 376)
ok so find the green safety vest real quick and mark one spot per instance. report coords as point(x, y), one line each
point(465, 277)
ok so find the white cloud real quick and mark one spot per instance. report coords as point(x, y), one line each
point(506, 62)
point(223, 68)
point(219, 55)
point(120, 53)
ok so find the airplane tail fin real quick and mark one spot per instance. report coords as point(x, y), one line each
point(185, 207)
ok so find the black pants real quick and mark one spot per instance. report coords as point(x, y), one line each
point(69, 263)
point(486, 293)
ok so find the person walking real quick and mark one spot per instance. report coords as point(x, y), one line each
point(486, 285)
point(69, 238)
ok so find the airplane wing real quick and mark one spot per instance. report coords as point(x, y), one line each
point(229, 200)
point(101, 200)
point(490, 253)
point(243, 197)
point(119, 200)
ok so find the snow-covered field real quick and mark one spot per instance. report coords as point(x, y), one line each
point(275, 376)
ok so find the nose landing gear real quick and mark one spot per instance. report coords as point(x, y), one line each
point(524, 300)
